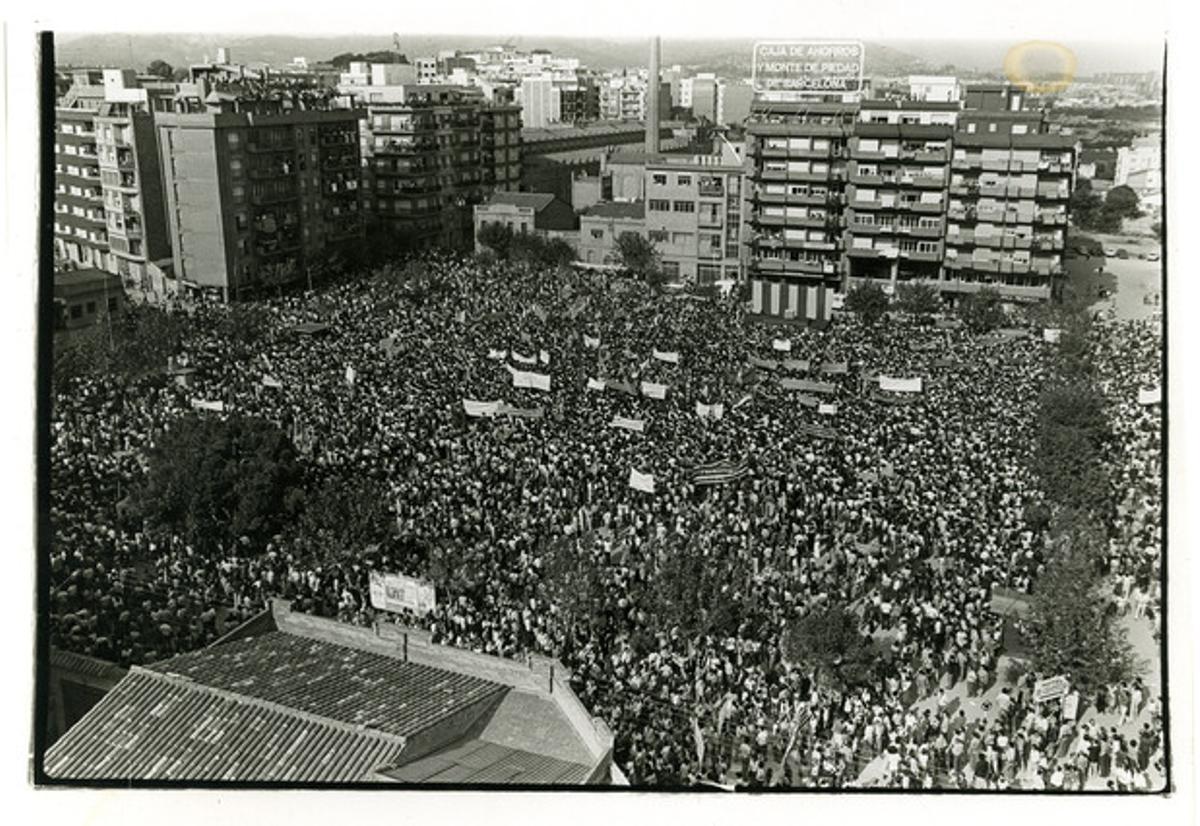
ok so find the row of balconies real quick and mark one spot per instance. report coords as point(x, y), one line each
point(918, 181)
point(859, 228)
point(831, 175)
point(787, 265)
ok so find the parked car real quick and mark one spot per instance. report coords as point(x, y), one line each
point(1122, 253)
point(1152, 256)
point(1109, 252)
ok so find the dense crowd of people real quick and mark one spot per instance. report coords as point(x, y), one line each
point(911, 515)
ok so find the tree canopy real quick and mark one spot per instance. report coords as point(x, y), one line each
point(828, 642)
point(214, 481)
point(639, 256)
point(161, 68)
point(981, 311)
point(343, 515)
point(868, 301)
point(919, 299)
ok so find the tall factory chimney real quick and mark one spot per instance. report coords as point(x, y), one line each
point(652, 87)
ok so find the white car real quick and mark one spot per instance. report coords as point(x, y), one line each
point(1152, 256)
point(1109, 252)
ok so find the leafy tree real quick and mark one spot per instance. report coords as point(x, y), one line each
point(572, 581)
point(214, 481)
point(1071, 629)
point(279, 274)
point(344, 515)
point(1084, 204)
point(828, 642)
point(160, 68)
point(981, 311)
point(1123, 201)
point(692, 596)
point(868, 301)
point(1072, 433)
point(636, 254)
point(496, 237)
point(1107, 220)
point(919, 298)
point(245, 326)
point(1157, 229)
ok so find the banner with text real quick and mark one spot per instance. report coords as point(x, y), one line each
point(397, 592)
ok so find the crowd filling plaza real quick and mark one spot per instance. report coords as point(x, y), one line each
point(673, 427)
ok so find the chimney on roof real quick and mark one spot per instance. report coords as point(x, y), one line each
point(652, 96)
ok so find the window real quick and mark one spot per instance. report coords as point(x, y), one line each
point(239, 193)
point(682, 238)
point(659, 205)
point(658, 236)
point(670, 268)
point(683, 180)
point(597, 233)
point(1020, 128)
point(91, 307)
point(970, 129)
point(76, 311)
point(112, 304)
point(991, 127)
point(234, 140)
point(684, 206)
point(658, 180)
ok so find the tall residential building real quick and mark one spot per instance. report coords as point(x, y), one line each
point(704, 96)
point(796, 190)
point(733, 102)
point(109, 209)
point(430, 154)
point(540, 101)
point(902, 190)
point(255, 197)
point(694, 215)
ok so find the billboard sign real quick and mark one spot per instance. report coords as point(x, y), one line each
point(397, 592)
point(808, 67)
point(1050, 689)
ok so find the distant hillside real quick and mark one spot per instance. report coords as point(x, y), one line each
point(731, 57)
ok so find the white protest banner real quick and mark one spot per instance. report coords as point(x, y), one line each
point(807, 385)
point(544, 357)
point(796, 365)
point(351, 375)
point(534, 381)
point(520, 359)
point(596, 384)
point(591, 343)
point(540, 313)
point(781, 345)
point(641, 481)
point(397, 593)
point(503, 409)
point(828, 409)
point(835, 368)
point(742, 401)
point(710, 411)
point(661, 355)
point(203, 404)
point(638, 425)
point(1150, 396)
point(497, 355)
point(271, 381)
point(1050, 688)
point(474, 408)
point(654, 391)
point(900, 385)
point(1070, 706)
point(1051, 335)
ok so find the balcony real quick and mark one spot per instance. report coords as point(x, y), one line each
point(125, 160)
point(786, 266)
point(923, 181)
point(709, 221)
point(966, 163)
point(1053, 168)
point(762, 150)
point(924, 155)
point(1047, 244)
point(920, 206)
point(965, 190)
point(859, 179)
point(273, 146)
point(711, 190)
point(273, 197)
point(1051, 218)
point(1046, 193)
point(917, 231)
point(933, 256)
point(761, 196)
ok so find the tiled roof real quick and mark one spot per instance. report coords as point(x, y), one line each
point(84, 665)
point(154, 727)
point(537, 200)
point(332, 681)
point(482, 762)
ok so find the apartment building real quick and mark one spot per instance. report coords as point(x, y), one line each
point(431, 152)
point(256, 196)
point(109, 210)
point(694, 215)
point(796, 182)
point(541, 103)
point(903, 190)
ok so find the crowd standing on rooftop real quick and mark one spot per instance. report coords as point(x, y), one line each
point(911, 515)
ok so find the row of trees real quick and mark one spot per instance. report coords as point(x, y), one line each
point(980, 311)
point(524, 247)
point(1072, 629)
